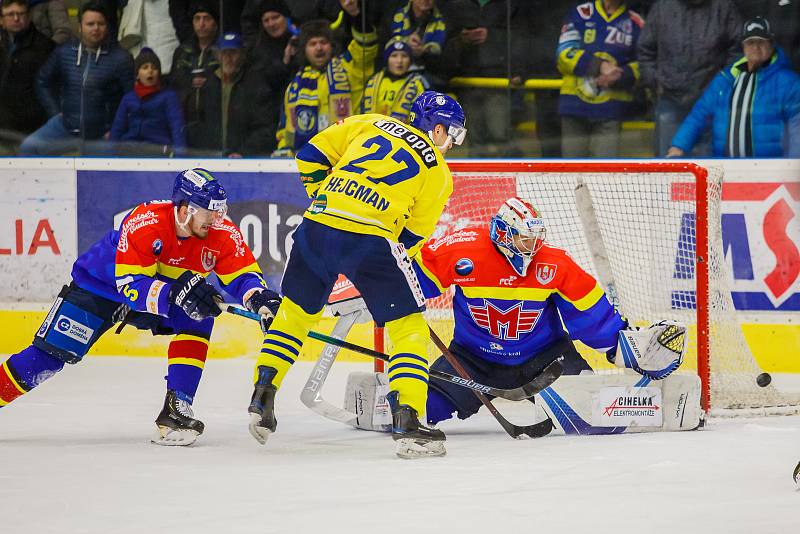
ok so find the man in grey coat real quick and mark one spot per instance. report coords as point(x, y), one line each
point(684, 44)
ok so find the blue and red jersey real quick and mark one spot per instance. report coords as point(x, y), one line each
point(505, 318)
point(137, 263)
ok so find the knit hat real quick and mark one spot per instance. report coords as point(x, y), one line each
point(396, 45)
point(273, 5)
point(147, 56)
point(315, 28)
point(204, 7)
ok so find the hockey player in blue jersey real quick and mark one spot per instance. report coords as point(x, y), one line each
point(514, 296)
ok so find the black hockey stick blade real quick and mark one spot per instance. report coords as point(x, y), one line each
point(796, 474)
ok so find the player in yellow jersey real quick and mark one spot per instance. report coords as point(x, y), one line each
point(378, 187)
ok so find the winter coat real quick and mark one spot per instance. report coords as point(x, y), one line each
point(187, 59)
point(490, 58)
point(682, 47)
point(20, 110)
point(775, 114)
point(85, 86)
point(50, 17)
point(252, 116)
point(146, 23)
point(156, 119)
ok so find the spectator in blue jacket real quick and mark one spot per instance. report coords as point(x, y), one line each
point(149, 119)
point(80, 87)
point(753, 107)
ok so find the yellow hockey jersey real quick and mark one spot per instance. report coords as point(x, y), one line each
point(371, 174)
point(391, 96)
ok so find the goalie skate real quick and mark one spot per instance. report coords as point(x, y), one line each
point(176, 425)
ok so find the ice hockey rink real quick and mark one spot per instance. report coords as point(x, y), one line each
point(76, 458)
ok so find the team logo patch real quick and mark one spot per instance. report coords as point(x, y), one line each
point(495, 346)
point(504, 324)
point(158, 246)
point(464, 266)
point(545, 272)
point(586, 10)
point(208, 258)
point(305, 121)
point(440, 100)
point(319, 204)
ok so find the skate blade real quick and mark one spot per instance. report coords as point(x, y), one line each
point(169, 437)
point(410, 448)
point(259, 432)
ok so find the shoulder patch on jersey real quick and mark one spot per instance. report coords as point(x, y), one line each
point(415, 142)
point(545, 273)
point(232, 231)
point(158, 246)
point(586, 10)
point(462, 236)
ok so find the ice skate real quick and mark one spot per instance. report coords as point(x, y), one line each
point(262, 406)
point(176, 425)
point(413, 439)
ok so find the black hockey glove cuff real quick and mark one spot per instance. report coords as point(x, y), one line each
point(265, 303)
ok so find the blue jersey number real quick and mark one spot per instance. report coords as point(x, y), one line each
point(401, 156)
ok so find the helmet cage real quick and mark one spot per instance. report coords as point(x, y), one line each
point(518, 219)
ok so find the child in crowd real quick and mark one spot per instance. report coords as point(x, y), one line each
point(392, 90)
point(149, 120)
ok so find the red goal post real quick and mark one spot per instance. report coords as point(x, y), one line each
point(660, 224)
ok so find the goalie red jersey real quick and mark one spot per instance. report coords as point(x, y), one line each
point(137, 263)
point(507, 318)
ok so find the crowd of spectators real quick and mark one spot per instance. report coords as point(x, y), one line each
point(258, 78)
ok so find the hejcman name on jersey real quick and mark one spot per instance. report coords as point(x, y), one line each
point(352, 188)
point(414, 142)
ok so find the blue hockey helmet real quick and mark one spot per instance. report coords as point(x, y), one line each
point(432, 108)
point(199, 189)
point(518, 218)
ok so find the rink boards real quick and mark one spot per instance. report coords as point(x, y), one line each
point(55, 208)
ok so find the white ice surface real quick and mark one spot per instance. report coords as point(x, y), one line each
point(75, 457)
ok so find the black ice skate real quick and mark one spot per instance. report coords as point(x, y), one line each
point(176, 423)
point(262, 405)
point(414, 440)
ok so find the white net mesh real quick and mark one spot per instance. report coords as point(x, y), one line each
point(646, 219)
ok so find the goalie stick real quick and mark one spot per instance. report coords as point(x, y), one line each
point(536, 430)
point(541, 382)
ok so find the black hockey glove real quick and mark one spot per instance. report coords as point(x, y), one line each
point(265, 303)
point(197, 297)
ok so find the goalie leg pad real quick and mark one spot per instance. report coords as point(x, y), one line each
point(365, 396)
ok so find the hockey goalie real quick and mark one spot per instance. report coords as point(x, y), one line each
point(518, 304)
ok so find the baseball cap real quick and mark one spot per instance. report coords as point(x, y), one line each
point(230, 41)
point(757, 28)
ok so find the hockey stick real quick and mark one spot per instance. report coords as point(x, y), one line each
point(536, 430)
point(543, 381)
point(311, 395)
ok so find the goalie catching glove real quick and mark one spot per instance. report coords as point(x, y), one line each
point(265, 303)
point(654, 352)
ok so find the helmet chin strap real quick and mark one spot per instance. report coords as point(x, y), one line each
point(448, 144)
point(183, 225)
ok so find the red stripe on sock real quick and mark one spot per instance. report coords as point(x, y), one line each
point(197, 350)
point(8, 391)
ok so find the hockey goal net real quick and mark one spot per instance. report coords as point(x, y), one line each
point(659, 227)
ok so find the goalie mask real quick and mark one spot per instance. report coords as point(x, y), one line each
point(518, 231)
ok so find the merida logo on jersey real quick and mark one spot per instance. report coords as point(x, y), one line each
point(352, 188)
point(415, 142)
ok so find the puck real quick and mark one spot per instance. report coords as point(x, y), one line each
point(763, 379)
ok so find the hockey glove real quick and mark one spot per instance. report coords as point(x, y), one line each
point(195, 296)
point(654, 352)
point(265, 303)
